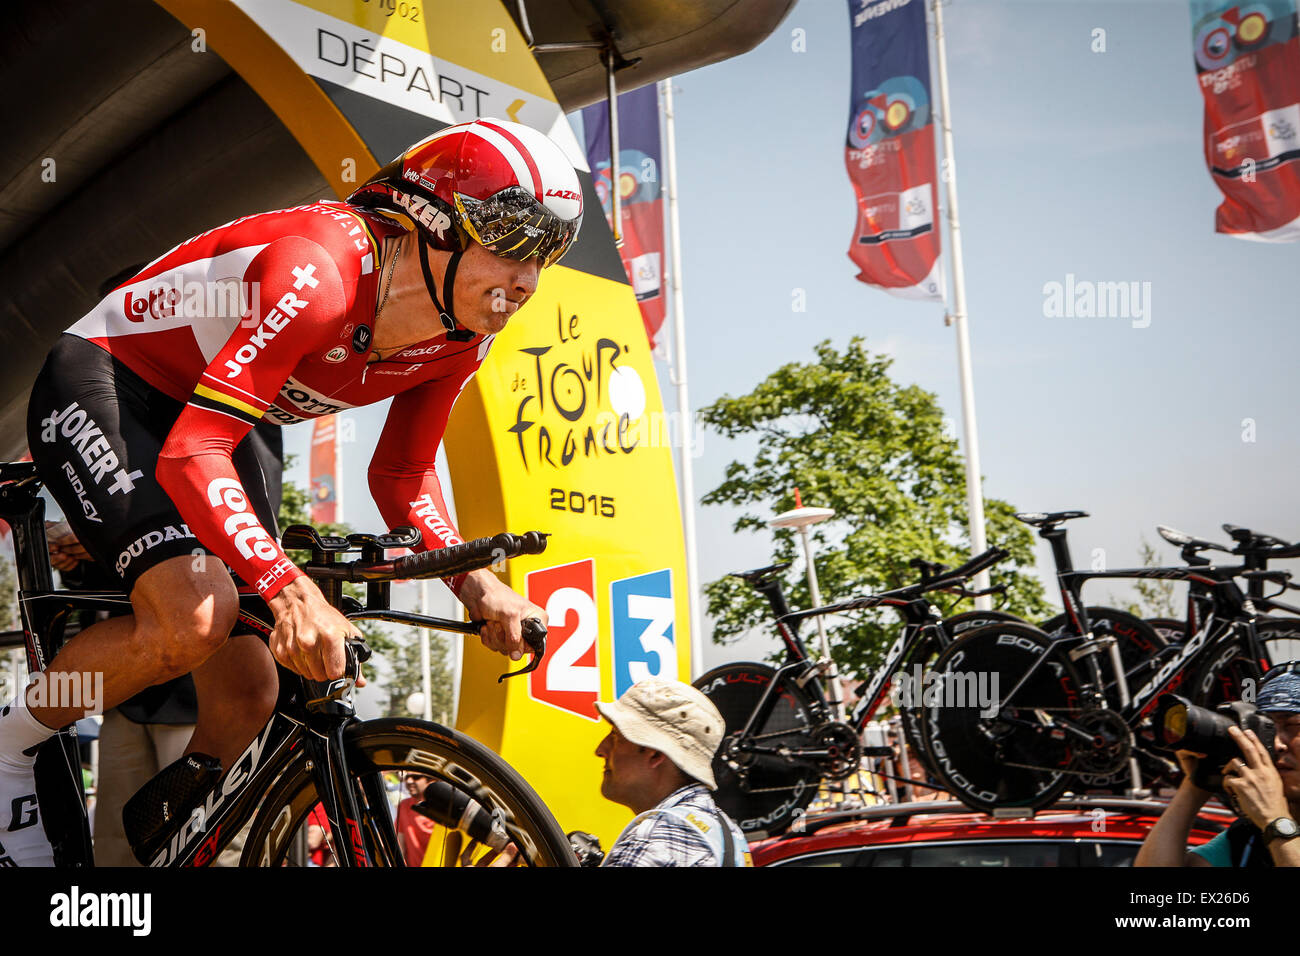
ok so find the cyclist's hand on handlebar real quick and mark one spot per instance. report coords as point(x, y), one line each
point(487, 599)
point(310, 636)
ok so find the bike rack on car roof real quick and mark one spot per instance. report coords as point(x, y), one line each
point(1212, 818)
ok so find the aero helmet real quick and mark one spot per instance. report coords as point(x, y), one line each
point(503, 185)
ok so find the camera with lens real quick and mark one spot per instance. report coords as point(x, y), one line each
point(586, 847)
point(1181, 725)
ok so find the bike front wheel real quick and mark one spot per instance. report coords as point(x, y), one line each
point(493, 805)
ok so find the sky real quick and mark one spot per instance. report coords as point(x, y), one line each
point(1068, 162)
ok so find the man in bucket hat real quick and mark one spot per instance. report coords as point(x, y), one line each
point(659, 764)
point(1264, 784)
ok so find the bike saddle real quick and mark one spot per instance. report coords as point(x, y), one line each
point(1186, 541)
point(1040, 519)
point(760, 575)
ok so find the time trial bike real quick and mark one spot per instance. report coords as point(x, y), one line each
point(782, 739)
point(313, 750)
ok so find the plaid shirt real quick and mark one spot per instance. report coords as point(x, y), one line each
point(665, 839)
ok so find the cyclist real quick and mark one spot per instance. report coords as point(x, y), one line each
point(136, 421)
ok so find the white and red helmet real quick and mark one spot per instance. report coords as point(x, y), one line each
point(504, 185)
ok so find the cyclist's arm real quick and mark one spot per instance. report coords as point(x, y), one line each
point(404, 484)
point(402, 476)
point(298, 293)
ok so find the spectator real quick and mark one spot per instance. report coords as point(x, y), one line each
point(414, 829)
point(659, 764)
point(1265, 787)
point(319, 851)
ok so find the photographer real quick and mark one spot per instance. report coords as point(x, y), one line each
point(1264, 786)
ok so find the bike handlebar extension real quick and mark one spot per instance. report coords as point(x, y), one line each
point(470, 556)
point(440, 562)
point(971, 568)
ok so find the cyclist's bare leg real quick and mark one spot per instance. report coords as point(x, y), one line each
point(183, 615)
point(237, 688)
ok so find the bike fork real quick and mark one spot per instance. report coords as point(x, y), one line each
point(333, 785)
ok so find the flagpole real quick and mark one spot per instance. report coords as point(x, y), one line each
point(687, 429)
point(615, 192)
point(957, 317)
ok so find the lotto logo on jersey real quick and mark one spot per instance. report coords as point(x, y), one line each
point(159, 303)
point(644, 643)
point(241, 525)
point(569, 676)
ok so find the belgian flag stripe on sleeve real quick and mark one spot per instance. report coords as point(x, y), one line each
point(215, 401)
point(374, 245)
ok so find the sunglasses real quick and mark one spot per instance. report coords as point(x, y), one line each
point(515, 225)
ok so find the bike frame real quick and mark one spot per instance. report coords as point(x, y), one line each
point(921, 621)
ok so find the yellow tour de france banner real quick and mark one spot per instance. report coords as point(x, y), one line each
point(562, 430)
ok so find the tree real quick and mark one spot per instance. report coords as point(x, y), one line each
point(405, 678)
point(853, 440)
point(402, 651)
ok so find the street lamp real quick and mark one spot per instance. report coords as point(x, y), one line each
point(801, 518)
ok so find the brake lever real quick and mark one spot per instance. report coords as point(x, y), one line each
point(321, 694)
point(534, 632)
point(359, 649)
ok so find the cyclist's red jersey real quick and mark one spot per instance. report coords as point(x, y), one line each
point(294, 348)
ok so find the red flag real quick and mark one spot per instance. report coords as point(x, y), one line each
point(640, 193)
point(323, 470)
point(1248, 66)
point(890, 150)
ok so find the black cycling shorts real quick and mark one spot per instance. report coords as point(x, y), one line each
point(95, 430)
